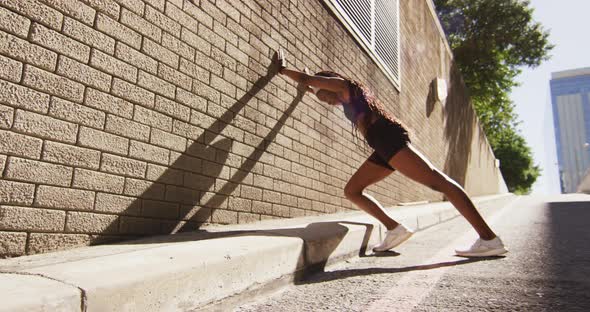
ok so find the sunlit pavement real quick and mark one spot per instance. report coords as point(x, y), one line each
point(547, 268)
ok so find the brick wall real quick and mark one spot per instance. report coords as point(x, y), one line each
point(123, 118)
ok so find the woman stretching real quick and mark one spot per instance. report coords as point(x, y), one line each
point(392, 150)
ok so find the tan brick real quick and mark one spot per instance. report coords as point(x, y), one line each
point(108, 7)
point(160, 53)
point(84, 222)
point(10, 69)
point(109, 103)
point(74, 8)
point(30, 219)
point(236, 79)
point(227, 34)
point(206, 92)
point(236, 27)
point(123, 166)
point(71, 155)
point(195, 41)
point(20, 145)
point(164, 175)
point(198, 181)
point(186, 20)
point(144, 189)
point(38, 172)
point(175, 77)
point(136, 58)
point(177, 46)
point(113, 66)
point(149, 152)
point(261, 207)
point(168, 24)
point(16, 193)
point(45, 127)
point(46, 242)
point(98, 181)
point(140, 25)
point(24, 51)
point(3, 162)
point(158, 4)
point(133, 225)
point(118, 31)
point(64, 198)
point(192, 100)
point(6, 116)
point(155, 84)
point(57, 42)
point(133, 93)
point(103, 141)
point(36, 11)
point(88, 35)
point(194, 70)
point(251, 192)
point(77, 113)
point(240, 204)
point(211, 37)
point(12, 243)
point(84, 74)
point(14, 23)
point(136, 6)
point(159, 209)
point(280, 210)
point(127, 128)
point(244, 217)
point(153, 118)
point(182, 195)
point(168, 140)
point(198, 13)
point(117, 204)
point(214, 200)
point(222, 216)
point(189, 131)
point(226, 60)
point(172, 108)
point(195, 213)
point(53, 84)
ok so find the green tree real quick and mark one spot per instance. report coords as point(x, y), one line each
point(491, 41)
point(516, 162)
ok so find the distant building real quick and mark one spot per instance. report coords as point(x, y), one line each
point(570, 98)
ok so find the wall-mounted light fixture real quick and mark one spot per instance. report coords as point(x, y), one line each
point(440, 90)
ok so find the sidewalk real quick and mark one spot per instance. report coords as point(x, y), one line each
point(189, 271)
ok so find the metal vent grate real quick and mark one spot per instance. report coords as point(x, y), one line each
point(359, 12)
point(376, 24)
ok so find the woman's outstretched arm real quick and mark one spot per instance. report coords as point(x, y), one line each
point(334, 84)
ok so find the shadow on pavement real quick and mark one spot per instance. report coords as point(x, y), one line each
point(335, 275)
point(568, 264)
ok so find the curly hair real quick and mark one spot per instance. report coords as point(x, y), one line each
point(364, 94)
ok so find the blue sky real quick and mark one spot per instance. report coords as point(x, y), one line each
point(568, 22)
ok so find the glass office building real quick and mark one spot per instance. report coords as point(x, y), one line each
point(570, 99)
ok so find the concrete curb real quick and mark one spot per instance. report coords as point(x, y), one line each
point(189, 271)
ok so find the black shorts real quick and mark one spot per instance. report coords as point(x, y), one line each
point(386, 137)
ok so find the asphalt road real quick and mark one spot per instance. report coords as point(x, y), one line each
point(547, 268)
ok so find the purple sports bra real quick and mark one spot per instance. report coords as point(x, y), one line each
point(357, 105)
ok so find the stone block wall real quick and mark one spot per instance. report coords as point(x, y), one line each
point(125, 118)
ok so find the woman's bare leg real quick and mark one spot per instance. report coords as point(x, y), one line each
point(411, 163)
point(369, 173)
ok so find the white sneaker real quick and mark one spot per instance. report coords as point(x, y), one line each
point(393, 238)
point(484, 248)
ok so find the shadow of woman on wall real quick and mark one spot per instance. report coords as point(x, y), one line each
point(187, 207)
